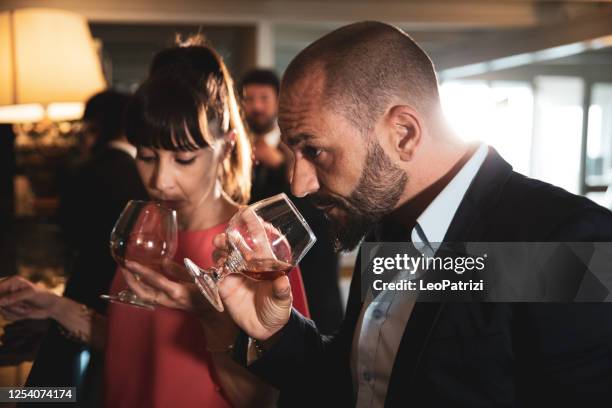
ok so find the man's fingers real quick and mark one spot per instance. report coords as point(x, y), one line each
point(255, 226)
point(251, 239)
point(221, 249)
point(219, 256)
point(220, 241)
point(281, 289)
point(257, 231)
point(230, 284)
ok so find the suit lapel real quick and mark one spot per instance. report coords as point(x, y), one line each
point(466, 226)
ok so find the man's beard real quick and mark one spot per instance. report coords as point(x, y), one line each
point(261, 124)
point(379, 189)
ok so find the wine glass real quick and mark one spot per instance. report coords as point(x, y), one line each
point(266, 240)
point(146, 232)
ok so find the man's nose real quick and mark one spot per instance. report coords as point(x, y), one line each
point(304, 178)
point(259, 107)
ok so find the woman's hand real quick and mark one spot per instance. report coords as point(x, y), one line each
point(152, 286)
point(177, 272)
point(22, 299)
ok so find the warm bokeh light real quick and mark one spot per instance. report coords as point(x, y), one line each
point(26, 113)
point(497, 113)
point(65, 111)
point(46, 56)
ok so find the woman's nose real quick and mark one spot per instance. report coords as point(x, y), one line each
point(163, 179)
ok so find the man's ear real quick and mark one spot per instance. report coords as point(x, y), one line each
point(405, 130)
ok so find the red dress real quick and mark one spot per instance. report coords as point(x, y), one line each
point(159, 358)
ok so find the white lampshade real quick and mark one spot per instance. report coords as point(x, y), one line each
point(46, 56)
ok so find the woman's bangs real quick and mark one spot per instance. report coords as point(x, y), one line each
point(165, 120)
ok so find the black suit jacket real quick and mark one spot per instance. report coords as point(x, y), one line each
point(473, 354)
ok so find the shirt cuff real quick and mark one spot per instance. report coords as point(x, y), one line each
point(252, 352)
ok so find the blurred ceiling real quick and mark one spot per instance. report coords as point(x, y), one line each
point(427, 14)
point(127, 48)
point(455, 33)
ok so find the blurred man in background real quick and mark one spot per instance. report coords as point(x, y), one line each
point(96, 195)
point(260, 90)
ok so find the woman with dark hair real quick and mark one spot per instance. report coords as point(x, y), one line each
point(194, 156)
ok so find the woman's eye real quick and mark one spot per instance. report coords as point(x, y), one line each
point(145, 159)
point(311, 152)
point(185, 162)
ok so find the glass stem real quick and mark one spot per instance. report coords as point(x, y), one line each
point(216, 273)
point(233, 264)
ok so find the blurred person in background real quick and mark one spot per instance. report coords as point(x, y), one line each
point(193, 155)
point(93, 194)
point(260, 89)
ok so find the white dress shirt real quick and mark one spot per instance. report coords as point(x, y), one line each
point(273, 137)
point(383, 319)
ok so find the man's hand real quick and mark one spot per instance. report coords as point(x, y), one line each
point(260, 308)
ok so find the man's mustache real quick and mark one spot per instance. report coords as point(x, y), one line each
point(326, 200)
point(258, 115)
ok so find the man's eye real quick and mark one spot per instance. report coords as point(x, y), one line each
point(311, 152)
point(185, 162)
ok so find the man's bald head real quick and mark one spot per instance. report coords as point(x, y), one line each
point(366, 66)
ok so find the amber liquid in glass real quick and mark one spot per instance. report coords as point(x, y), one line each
point(145, 249)
point(266, 269)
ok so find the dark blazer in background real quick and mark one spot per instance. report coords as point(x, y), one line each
point(94, 196)
point(99, 191)
point(473, 354)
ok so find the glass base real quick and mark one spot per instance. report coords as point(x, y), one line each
point(205, 283)
point(129, 298)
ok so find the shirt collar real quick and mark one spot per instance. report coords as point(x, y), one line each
point(433, 223)
point(272, 138)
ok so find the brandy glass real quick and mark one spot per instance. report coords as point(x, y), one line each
point(265, 240)
point(146, 232)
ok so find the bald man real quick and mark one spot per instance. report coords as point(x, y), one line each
point(360, 110)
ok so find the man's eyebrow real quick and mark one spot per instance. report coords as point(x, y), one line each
point(296, 139)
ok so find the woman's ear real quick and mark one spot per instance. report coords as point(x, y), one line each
point(230, 142)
